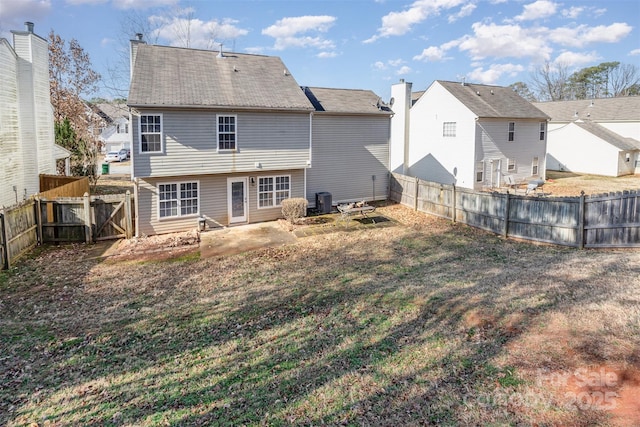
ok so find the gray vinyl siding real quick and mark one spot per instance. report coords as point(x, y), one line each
point(492, 144)
point(277, 141)
point(212, 201)
point(346, 152)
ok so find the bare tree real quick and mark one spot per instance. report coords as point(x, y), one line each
point(71, 77)
point(624, 80)
point(551, 82)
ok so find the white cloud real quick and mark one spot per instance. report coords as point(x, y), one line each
point(495, 71)
point(396, 62)
point(571, 59)
point(583, 35)
point(537, 10)
point(139, 4)
point(432, 54)
point(182, 31)
point(327, 55)
point(399, 23)
point(502, 41)
point(379, 65)
point(573, 12)
point(465, 10)
point(404, 70)
point(634, 52)
point(13, 13)
point(106, 42)
point(290, 32)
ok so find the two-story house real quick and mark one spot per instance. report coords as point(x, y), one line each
point(27, 138)
point(596, 136)
point(114, 134)
point(471, 135)
point(228, 136)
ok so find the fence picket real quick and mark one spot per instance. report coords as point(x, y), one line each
point(600, 221)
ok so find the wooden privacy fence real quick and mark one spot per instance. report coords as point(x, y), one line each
point(602, 221)
point(52, 186)
point(65, 219)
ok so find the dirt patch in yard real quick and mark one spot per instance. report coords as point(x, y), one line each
point(156, 248)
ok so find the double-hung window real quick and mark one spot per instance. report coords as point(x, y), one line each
point(150, 133)
point(479, 171)
point(543, 130)
point(449, 129)
point(535, 165)
point(178, 199)
point(272, 190)
point(512, 132)
point(511, 165)
point(226, 133)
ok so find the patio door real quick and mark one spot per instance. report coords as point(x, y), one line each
point(237, 199)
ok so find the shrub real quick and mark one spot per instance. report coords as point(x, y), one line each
point(294, 209)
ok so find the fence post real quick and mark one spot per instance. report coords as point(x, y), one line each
point(87, 218)
point(505, 231)
point(127, 213)
point(5, 244)
point(38, 219)
point(453, 204)
point(581, 214)
point(415, 195)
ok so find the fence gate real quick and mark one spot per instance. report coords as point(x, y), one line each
point(112, 217)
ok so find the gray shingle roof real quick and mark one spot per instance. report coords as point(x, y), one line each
point(178, 77)
point(493, 101)
point(611, 137)
point(348, 101)
point(599, 110)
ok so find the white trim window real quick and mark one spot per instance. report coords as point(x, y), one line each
point(535, 166)
point(543, 130)
point(178, 199)
point(226, 132)
point(511, 165)
point(449, 129)
point(512, 132)
point(479, 171)
point(150, 127)
point(272, 190)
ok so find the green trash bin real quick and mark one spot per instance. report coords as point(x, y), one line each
point(105, 169)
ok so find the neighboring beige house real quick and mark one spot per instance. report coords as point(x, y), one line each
point(474, 136)
point(27, 138)
point(594, 136)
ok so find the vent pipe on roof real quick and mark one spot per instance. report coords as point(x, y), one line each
point(139, 37)
point(28, 26)
point(220, 55)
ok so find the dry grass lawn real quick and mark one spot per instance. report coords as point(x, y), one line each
point(571, 184)
point(425, 323)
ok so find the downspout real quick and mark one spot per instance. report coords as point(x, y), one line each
point(310, 153)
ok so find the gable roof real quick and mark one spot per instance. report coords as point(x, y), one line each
point(177, 77)
point(111, 111)
point(493, 101)
point(613, 138)
point(348, 101)
point(602, 109)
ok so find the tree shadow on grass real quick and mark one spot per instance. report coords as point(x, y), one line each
point(295, 335)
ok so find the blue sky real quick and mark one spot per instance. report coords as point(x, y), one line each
point(359, 44)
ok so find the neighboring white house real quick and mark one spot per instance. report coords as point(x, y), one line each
point(595, 136)
point(27, 138)
point(116, 133)
point(466, 134)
